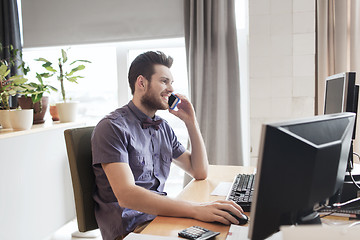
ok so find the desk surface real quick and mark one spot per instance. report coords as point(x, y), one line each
point(198, 191)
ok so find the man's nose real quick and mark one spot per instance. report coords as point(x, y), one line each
point(170, 88)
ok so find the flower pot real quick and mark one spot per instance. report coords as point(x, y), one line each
point(54, 113)
point(21, 119)
point(67, 111)
point(39, 110)
point(5, 119)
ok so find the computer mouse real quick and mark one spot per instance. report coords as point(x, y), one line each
point(243, 220)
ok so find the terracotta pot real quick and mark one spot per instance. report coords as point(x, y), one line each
point(54, 113)
point(39, 110)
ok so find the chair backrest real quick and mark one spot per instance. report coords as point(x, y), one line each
point(78, 144)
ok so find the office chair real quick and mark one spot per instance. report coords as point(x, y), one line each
point(78, 145)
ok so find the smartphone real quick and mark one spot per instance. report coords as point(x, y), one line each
point(173, 101)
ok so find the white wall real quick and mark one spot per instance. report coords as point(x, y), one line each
point(36, 190)
point(282, 63)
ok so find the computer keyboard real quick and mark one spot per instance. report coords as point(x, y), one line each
point(241, 190)
point(336, 211)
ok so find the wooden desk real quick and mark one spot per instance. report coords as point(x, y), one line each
point(197, 191)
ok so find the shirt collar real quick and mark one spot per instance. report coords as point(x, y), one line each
point(139, 114)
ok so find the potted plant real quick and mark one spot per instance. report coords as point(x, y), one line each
point(33, 98)
point(9, 85)
point(65, 71)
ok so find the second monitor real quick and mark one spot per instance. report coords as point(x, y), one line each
point(301, 163)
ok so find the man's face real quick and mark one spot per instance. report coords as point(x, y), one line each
point(159, 89)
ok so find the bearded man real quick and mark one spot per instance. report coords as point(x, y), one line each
point(133, 149)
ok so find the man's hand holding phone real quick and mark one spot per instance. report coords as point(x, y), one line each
point(185, 110)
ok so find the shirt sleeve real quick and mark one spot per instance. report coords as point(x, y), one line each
point(109, 143)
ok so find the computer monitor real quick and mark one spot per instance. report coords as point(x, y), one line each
point(341, 94)
point(301, 164)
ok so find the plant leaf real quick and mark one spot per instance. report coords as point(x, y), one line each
point(64, 55)
point(53, 88)
point(47, 66)
point(41, 60)
point(18, 79)
point(36, 97)
point(78, 68)
point(73, 79)
point(86, 61)
point(45, 75)
point(50, 69)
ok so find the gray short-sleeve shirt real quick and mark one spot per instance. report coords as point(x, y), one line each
point(119, 137)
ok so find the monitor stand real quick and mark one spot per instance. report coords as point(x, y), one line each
point(309, 217)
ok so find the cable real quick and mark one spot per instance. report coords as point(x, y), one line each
point(353, 224)
point(330, 213)
point(350, 174)
point(345, 203)
point(353, 180)
point(350, 169)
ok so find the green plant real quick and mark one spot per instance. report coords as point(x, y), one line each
point(37, 90)
point(9, 85)
point(62, 70)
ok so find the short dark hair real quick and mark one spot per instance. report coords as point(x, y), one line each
point(144, 65)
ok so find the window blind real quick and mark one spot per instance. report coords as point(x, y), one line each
point(69, 22)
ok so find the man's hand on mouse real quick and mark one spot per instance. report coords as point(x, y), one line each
point(218, 211)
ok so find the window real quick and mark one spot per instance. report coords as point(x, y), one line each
point(96, 92)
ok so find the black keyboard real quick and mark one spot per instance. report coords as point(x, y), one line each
point(242, 190)
point(355, 211)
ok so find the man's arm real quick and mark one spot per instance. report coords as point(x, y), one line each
point(195, 163)
point(135, 197)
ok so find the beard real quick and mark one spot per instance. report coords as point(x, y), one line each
point(153, 102)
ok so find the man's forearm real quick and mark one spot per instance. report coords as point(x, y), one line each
point(143, 200)
point(199, 160)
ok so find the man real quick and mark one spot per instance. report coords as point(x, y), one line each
point(132, 152)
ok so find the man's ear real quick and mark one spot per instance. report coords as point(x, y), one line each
point(141, 82)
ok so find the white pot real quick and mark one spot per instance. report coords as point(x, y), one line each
point(21, 119)
point(67, 111)
point(5, 119)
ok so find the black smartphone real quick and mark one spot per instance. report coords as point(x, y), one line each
point(173, 101)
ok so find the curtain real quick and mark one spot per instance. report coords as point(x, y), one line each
point(213, 68)
point(10, 34)
point(338, 45)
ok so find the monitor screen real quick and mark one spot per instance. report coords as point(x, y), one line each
point(341, 94)
point(301, 164)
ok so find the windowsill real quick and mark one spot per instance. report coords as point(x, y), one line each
point(48, 125)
